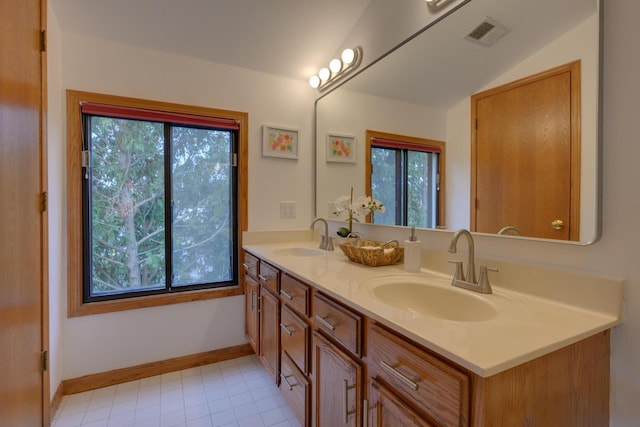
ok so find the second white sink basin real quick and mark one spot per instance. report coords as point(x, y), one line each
point(420, 297)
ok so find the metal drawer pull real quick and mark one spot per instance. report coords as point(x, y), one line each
point(263, 278)
point(286, 294)
point(345, 401)
point(287, 330)
point(259, 303)
point(246, 266)
point(325, 323)
point(399, 375)
point(284, 378)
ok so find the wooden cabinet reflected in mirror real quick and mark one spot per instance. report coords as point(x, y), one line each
point(525, 156)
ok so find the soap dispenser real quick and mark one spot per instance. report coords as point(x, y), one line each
point(412, 253)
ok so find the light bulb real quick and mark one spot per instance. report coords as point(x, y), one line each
point(348, 55)
point(314, 82)
point(335, 65)
point(324, 74)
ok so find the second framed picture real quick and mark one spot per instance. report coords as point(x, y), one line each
point(341, 148)
point(279, 142)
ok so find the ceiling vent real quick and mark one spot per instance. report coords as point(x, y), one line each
point(487, 32)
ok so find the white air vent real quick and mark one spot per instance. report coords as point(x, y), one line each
point(487, 32)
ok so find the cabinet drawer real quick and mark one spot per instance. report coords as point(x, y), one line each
point(296, 390)
point(268, 276)
point(250, 265)
point(295, 294)
point(294, 338)
point(440, 390)
point(338, 322)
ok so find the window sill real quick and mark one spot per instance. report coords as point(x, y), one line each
point(88, 309)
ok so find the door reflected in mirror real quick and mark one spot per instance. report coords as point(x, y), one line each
point(425, 89)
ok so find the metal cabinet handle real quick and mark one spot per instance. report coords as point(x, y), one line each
point(286, 294)
point(284, 378)
point(263, 278)
point(345, 401)
point(246, 266)
point(287, 330)
point(325, 323)
point(399, 375)
point(259, 301)
point(253, 300)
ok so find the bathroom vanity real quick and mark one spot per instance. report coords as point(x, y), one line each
point(351, 345)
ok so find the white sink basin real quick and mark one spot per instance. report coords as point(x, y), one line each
point(430, 297)
point(299, 252)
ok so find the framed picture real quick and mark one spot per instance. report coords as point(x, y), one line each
point(341, 148)
point(279, 142)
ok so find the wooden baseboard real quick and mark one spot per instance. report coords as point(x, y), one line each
point(55, 401)
point(117, 376)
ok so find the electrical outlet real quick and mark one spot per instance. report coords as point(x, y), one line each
point(287, 210)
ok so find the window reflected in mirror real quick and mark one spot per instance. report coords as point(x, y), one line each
point(405, 174)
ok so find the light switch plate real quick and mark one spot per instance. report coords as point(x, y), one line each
point(287, 210)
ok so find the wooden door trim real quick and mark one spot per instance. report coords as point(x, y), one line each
point(573, 68)
point(44, 185)
point(370, 134)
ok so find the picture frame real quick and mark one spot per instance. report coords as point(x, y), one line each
point(278, 141)
point(341, 148)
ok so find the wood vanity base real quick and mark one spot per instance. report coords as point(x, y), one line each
point(337, 367)
point(569, 387)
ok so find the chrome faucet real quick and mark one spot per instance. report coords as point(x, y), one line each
point(469, 281)
point(325, 243)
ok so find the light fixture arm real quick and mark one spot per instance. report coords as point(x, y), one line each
point(434, 5)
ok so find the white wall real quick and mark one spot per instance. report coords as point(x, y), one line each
point(99, 343)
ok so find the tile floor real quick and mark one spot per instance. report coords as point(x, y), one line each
point(235, 392)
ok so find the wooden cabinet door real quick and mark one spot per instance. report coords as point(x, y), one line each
point(389, 411)
point(337, 386)
point(251, 318)
point(23, 269)
point(269, 335)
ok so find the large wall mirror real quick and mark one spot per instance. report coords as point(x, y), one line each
point(439, 84)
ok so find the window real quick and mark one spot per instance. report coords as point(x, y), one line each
point(405, 175)
point(161, 202)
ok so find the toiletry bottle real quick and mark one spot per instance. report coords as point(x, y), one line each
point(412, 253)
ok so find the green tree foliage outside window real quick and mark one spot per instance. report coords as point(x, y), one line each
point(159, 204)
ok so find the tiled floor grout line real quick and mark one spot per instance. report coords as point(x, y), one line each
point(235, 392)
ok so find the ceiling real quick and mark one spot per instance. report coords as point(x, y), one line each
point(290, 38)
point(439, 68)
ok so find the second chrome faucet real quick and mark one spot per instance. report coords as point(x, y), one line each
point(469, 280)
point(326, 243)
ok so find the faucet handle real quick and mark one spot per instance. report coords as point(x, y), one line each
point(459, 274)
point(483, 281)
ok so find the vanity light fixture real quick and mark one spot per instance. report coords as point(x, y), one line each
point(434, 5)
point(349, 60)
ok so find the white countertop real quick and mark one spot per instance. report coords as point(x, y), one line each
point(527, 324)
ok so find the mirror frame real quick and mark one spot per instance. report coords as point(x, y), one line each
point(598, 144)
